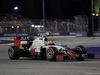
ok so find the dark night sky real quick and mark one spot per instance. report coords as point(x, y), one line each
point(54, 9)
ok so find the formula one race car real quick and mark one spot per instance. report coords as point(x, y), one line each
point(42, 48)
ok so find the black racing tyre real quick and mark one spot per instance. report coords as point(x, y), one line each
point(81, 51)
point(51, 53)
point(81, 48)
point(13, 52)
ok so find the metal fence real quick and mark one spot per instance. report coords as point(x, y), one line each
point(78, 24)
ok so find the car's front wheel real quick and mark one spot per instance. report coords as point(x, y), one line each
point(81, 51)
point(51, 53)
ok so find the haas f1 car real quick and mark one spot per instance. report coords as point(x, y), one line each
point(42, 48)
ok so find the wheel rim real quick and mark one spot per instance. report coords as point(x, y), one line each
point(10, 53)
point(84, 55)
point(50, 54)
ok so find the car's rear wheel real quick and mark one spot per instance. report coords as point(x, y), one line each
point(81, 51)
point(51, 53)
point(13, 52)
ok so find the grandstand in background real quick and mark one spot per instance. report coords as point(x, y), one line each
point(80, 23)
point(9, 24)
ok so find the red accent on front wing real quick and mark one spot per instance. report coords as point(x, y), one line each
point(59, 57)
point(72, 55)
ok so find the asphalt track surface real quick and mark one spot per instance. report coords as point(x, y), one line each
point(29, 66)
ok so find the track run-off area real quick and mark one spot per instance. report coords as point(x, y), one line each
point(29, 66)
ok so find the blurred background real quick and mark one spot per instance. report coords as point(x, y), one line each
point(57, 16)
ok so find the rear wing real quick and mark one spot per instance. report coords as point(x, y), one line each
point(17, 40)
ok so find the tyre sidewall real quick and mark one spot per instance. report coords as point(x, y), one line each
point(15, 53)
point(12, 55)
